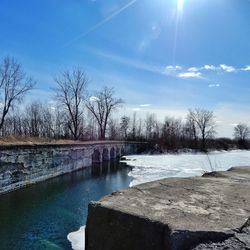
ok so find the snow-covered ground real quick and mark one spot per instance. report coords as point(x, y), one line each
point(154, 167)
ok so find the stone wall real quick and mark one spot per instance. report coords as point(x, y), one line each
point(26, 164)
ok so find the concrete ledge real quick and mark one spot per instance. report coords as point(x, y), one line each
point(209, 212)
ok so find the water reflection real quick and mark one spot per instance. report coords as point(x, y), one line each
point(40, 216)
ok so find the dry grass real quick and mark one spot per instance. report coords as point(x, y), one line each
point(13, 140)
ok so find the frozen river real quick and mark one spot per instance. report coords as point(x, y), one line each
point(153, 167)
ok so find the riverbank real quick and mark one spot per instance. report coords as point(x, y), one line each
point(174, 213)
point(22, 165)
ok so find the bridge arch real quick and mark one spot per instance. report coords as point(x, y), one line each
point(112, 153)
point(96, 156)
point(105, 155)
point(118, 152)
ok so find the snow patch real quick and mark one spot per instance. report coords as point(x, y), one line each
point(77, 239)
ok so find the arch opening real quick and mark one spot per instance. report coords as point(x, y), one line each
point(105, 154)
point(96, 156)
point(112, 153)
point(118, 152)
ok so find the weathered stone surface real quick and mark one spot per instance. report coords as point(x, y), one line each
point(177, 213)
point(21, 165)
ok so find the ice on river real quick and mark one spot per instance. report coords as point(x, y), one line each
point(77, 239)
point(154, 167)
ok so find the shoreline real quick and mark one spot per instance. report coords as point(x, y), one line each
point(22, 165)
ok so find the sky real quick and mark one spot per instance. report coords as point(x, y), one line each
point(161, 56)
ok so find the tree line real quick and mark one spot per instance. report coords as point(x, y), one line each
point(77, 115)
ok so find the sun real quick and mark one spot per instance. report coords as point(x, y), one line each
point(180, 4)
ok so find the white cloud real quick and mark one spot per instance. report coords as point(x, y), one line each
point(94, 99)
point(227, 68)
point(145, 105)
point(196, 72)
point(209, 67)
point(189, 75)
point(214, 85)
point(172, 70)
point(171, 67)
point(193, 69)
point(246, 68)
point(169, 70)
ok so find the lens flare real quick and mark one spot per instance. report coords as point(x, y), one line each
point(180, 4)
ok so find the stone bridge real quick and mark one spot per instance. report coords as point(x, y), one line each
point(101, 152)
point(104, 152)
point(21, 165)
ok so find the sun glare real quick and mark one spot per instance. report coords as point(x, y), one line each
point(180, 4)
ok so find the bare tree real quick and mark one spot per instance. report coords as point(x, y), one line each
point(70, 93)
point(204, 120)
point(134, 124)
point(14, 84)
point(242, 132)
point(151, 126)
point(113, 129)
point(101, 107)
point(190, 131)
point(171, 132)
point(34, 118)
point(139, 129)
point(124, 126)
point(48, 124)
point(91, 129)
point(59, 120)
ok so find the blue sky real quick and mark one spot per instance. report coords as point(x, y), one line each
point(169, 54)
